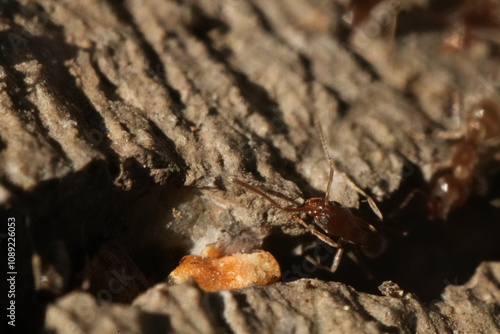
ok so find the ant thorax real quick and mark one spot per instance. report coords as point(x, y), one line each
point(338, 221)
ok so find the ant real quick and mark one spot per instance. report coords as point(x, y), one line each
point(452, 186)
point(334, 219)
point(463, 22)
point(476, 20)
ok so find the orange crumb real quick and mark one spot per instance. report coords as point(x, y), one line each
point(236, 271)
point(210, 251)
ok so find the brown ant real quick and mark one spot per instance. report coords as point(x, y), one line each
point(452, 186)
point(334, 219)
point(467, 20)
point(476, 20)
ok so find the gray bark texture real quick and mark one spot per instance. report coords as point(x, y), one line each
point(123, 122)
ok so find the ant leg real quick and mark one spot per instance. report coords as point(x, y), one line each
point(316, 263)
point(438, 166)
point(336, 260)
point(358, 259)
point(410, 196)
point(407, 201)
point(455, 115)
point(370, 200)
point(492, 142)
point(318, 234)
point(327, 240)
point(450, 135)
point(335, 264)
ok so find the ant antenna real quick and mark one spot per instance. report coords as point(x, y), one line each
point(266, 196)
point(372, 204)
point(330, 161)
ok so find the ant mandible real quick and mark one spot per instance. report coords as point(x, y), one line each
point(334, 219)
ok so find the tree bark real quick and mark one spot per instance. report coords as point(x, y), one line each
point(123, 122)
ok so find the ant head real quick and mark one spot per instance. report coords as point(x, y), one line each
point(484, 120)
point(443, 197)
point(319, 209)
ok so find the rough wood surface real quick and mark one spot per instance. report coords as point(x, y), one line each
point(303, 306)
point(122, 122)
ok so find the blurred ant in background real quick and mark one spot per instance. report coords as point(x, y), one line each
point(474, 20)
point(452, 185)
point(469, 20)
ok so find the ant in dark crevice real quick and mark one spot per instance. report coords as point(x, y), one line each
point(452, 186)
point(338, 226)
